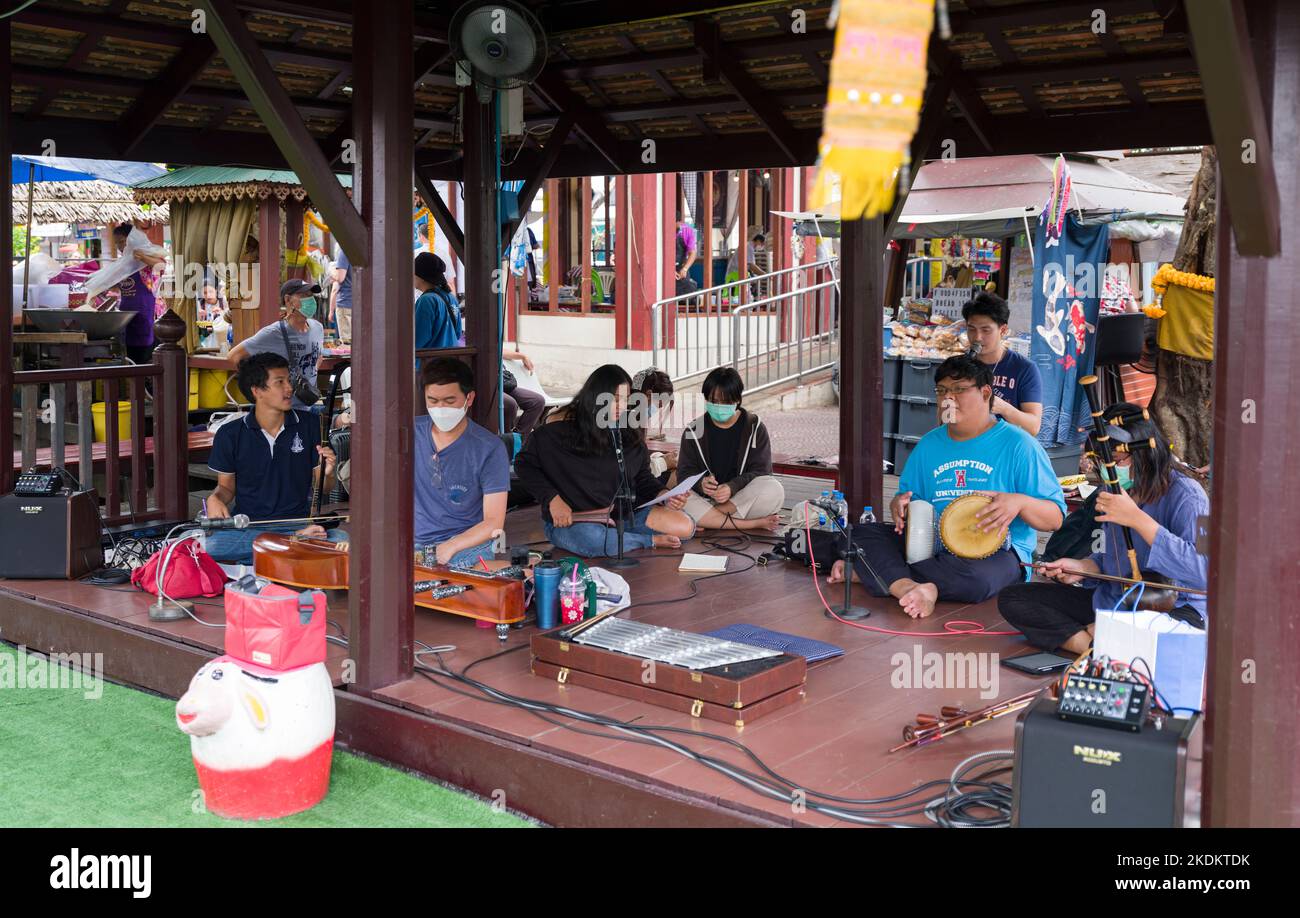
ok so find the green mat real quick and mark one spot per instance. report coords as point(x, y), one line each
point(109, 756)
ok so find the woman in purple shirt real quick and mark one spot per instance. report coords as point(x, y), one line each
point(1159, 505)
point(137, 298)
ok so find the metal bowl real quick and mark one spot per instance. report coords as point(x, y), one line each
point(97, 325)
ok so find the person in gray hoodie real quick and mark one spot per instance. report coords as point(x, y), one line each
point(731, 447)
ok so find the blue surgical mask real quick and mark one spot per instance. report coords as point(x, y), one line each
point(721, 413)
point(1122, 475)
point(307, 306)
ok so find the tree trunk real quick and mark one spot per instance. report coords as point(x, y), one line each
point(1183, 400)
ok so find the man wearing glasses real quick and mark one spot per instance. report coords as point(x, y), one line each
point(972, 451)
point(462, 475)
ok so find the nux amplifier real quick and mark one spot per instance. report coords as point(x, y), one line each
point(50, 536)
point(1070, 774)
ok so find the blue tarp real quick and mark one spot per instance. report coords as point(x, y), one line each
point(65, 169)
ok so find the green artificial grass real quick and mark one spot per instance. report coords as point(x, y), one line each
point(119, 760)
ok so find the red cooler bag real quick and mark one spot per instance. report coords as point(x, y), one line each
point(273, 626)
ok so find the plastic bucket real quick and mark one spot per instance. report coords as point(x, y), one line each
point(98, 410)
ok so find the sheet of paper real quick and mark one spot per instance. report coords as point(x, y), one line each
point(681, 488)
point(693, 562)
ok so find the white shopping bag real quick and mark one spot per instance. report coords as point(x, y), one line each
point(1173, 650)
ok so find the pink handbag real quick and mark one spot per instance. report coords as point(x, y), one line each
point(273, 626)
point(190, 572)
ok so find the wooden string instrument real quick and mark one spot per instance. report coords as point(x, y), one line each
point(318, 564)
point(1158, 594)
point(1107, 457)
point(327, 424)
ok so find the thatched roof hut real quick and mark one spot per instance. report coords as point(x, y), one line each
point(95, 202)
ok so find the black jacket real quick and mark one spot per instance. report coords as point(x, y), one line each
point(753, 459)
point(547, 467)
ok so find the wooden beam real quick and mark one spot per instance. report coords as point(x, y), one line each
point(482, 241)
point(239, 49)
point(1238, 119)
point(584, 244)
point(1091, 68)
point(944, 64)
point(861, 330)
point(269, 261)
point(382, 524)
point(549, 154)
point(588, 122)
point(1017, 15)
point(441, 215)
point(746, 87)
point(681, 58)
point(934, 113)
point(188, 62)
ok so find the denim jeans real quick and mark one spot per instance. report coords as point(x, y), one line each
point(466, 557)
point(596, 540)
point(235, 546)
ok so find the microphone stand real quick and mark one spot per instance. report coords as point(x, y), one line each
point(623, 498)
point(847, 610)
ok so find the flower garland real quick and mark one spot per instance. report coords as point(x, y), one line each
point(1166, 276)
point(309, 220)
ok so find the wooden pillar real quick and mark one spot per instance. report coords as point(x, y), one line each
point(482, 237)
point(1253, 735)
point(453, 205)
point(704, 228)
point(171, 423)
point(622, 262)
point(554, 205)
point(742, 227)
point(268, 257)
point(861, 364)
point(6, 276)
point(382, 526)
point(584, 242)
point(666, 285)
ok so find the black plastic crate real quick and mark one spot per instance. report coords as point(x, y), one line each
point(903, 446)
point(1065, 459)
point(917, 415)
point(918, 377)
point(889, 422)
point(893, 373)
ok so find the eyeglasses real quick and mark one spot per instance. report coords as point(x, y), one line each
point(943, 392)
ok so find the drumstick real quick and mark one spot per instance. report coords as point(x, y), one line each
point(583, 626)
point(1159, 586)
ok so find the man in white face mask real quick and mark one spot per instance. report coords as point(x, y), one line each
point(462, 474)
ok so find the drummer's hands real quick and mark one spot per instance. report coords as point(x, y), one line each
point(1001, 513)
point(898, 509)
point(1067, 570)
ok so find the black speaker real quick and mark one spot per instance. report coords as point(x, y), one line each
point(1073, 775)
point(56, 537)
point(1119, 339)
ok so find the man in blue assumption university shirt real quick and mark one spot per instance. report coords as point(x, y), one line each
point(973, 451)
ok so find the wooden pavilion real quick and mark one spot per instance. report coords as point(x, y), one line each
point(276, 83)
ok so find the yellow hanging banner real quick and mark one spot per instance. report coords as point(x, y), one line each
point(874, 102)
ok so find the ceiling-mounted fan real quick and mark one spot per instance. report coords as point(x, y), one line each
point(497, 45)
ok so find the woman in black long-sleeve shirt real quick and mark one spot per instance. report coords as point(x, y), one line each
point(571, 466)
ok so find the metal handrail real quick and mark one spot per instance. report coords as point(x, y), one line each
point(745, 280)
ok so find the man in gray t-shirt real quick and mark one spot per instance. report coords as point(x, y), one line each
point(305, 336)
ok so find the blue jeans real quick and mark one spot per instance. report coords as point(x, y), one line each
point(235, 546)
point(466, 557)
point(596, 540)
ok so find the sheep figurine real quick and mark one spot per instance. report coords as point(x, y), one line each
point(262, 740)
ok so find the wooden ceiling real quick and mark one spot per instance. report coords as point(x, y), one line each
point(727, 88)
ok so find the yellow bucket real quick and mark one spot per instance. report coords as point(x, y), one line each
point(97, 411)
point(211, 391)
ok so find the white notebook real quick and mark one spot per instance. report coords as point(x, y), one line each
point(710, 563)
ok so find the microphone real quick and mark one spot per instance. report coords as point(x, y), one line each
point(824, 505)
point(238, 521)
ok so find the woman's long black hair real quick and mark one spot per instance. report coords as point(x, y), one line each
point(1153, 465)
point(592, 411)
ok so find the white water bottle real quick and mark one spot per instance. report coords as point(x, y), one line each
point(867, 515)
point(841, 508)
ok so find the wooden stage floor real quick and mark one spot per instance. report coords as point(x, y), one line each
point(834, 741)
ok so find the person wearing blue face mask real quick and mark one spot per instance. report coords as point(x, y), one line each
point(297, 337)
point(731, 447)
point(1160, 503)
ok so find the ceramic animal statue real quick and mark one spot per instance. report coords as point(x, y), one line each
point(262, 740)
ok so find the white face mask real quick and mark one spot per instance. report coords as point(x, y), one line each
point(446, 418)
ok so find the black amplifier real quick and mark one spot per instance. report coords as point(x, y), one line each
point(50, 537)
point(1081, 775)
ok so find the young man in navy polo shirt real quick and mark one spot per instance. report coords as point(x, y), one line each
point(266, 462)
point(1017, 386)
point(462, 474)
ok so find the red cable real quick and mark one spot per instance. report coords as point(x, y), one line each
point(948, 631)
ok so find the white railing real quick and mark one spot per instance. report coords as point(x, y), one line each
point(788, 333)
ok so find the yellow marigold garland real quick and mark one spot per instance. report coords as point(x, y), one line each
point(1167, 275)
